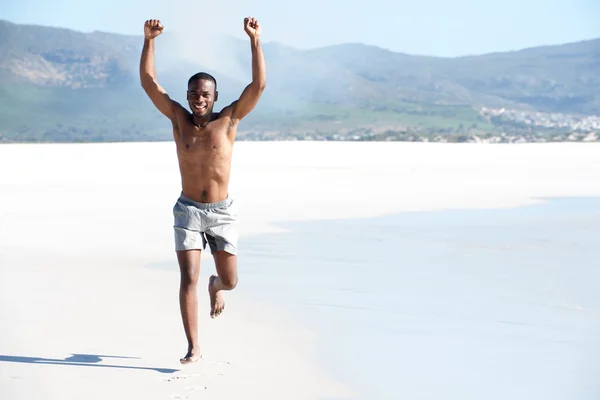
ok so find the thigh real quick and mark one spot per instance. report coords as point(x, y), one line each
point(221, 230)
point(189, 264)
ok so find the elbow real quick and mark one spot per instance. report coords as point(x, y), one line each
point(257, 86)
point(146, 81)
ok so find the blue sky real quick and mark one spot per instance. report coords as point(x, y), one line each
point(431, 27)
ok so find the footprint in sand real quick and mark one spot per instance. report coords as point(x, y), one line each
point(209, 361)
point(180, 377)
point(177, 396)
point(199, 382)
point(196, 388)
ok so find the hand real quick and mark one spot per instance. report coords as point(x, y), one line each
point(152, 28)
point(252, 27)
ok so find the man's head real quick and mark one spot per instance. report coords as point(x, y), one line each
point(202, 94)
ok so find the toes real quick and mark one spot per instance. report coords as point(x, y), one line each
point(217, 309)
point(214, 312)
point(190, 359)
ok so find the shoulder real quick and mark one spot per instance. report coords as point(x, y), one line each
point(179, 112)
point(178, 108)
point(228, 112)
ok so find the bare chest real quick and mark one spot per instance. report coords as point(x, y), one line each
point(210, 142)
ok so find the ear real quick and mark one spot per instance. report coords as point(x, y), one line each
point(216, 96)
point(187, 95)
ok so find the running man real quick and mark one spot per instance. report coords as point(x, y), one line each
point(204, 214)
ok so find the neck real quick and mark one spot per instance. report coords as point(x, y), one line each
point(201, 121)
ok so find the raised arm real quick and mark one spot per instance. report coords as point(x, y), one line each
point(158, 95)
point(251, 94)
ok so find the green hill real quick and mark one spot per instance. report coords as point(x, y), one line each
point(61, 85)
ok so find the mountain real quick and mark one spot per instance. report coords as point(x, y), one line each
point(57, 84)
point(554, 79)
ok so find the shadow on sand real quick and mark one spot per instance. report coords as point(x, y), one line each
point(82, 360)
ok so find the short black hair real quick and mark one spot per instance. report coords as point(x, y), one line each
point(203, 76)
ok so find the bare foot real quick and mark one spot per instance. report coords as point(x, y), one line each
point(191, 357)
point(217, 301)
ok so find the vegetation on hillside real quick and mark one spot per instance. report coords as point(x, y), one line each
point(61, 85)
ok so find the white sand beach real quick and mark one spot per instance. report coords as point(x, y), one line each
point(84, 316)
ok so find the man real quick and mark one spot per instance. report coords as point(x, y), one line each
point(204, 214)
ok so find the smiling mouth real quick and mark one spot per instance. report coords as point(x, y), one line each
point(199, 108)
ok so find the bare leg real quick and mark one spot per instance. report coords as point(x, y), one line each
point(189, 265)
point(226, 279)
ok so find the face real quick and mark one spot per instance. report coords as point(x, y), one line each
point(201, 97)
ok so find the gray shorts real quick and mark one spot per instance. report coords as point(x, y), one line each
point(198, 224)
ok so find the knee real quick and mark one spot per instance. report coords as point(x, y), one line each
point(189, 282)
point(229, 283)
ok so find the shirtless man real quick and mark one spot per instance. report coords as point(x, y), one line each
point(204, 214)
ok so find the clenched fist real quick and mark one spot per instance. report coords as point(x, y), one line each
point(152, 28)
point(252, 27)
